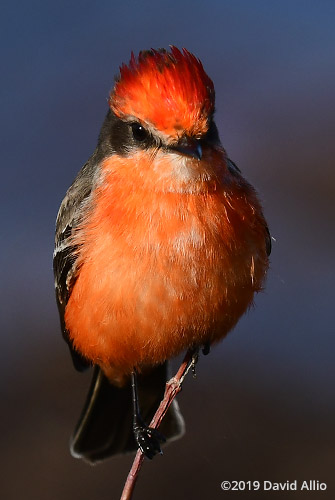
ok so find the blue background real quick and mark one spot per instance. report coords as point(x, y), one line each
point(262, 405)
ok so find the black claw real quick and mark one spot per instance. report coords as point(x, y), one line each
point(206, 349)
point(148, 440)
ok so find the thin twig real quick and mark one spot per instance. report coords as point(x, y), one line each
point(172, 388)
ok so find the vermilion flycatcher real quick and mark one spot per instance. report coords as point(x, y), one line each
point(160, 246)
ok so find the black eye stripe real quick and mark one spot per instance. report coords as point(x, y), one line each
point(125, 136)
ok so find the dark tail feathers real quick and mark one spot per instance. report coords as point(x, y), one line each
point(105, 425)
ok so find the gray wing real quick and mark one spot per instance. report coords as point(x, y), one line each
point(72, 210)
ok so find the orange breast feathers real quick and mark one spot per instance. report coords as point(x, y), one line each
point(170, 256)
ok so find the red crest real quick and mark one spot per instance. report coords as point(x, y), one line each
point(169, 90)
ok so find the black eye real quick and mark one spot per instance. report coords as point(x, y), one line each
point(140, 133)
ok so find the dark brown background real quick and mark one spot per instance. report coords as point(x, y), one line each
point(262, 406)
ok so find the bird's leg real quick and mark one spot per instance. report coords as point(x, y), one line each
point(147, 438)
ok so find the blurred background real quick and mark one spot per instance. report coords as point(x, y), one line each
point(262, 405)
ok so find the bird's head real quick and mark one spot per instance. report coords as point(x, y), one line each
point(162, 107)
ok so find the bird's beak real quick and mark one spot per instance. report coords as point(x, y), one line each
point(188, 147)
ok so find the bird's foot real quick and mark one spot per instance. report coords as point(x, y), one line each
point(148, 439)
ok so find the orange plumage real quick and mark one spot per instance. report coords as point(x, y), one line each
point(171, 249)
point(165, 262)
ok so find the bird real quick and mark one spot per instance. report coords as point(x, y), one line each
point(161, 245)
